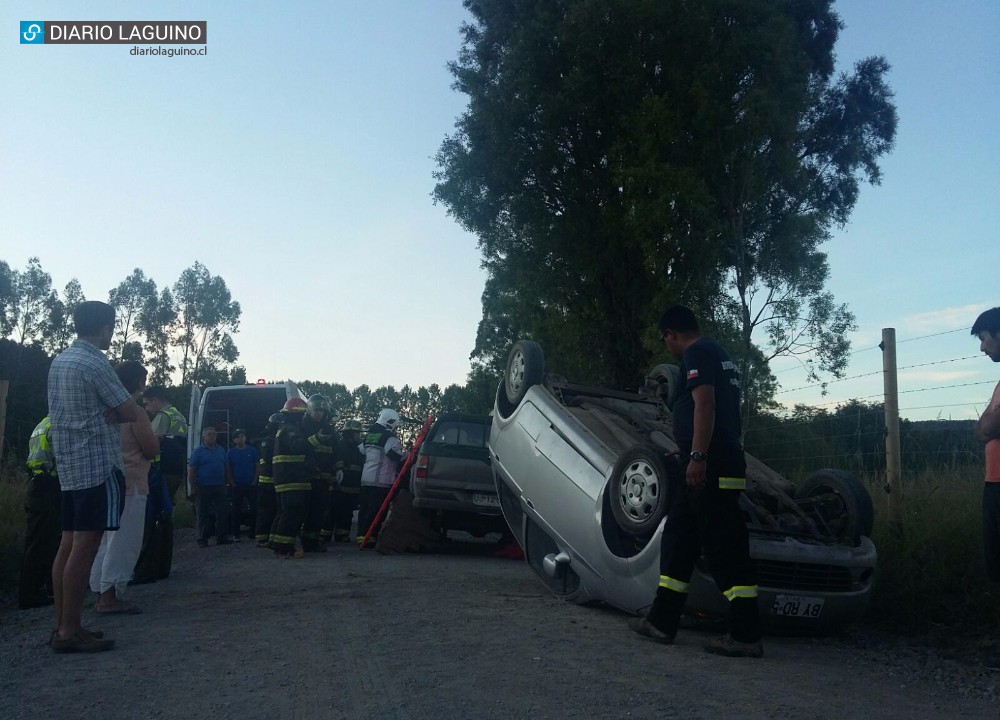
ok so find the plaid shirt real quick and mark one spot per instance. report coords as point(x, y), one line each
point(82, 386)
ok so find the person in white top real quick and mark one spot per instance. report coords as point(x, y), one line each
point(119, 550)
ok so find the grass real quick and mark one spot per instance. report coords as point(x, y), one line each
point(12, 489)
point(930, 569)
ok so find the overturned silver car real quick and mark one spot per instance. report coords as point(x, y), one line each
point(582, 477)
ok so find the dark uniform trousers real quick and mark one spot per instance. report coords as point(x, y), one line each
point(41, 538)
point(319, 499)
point(708, 520)
point(370, 501)
point(267, 508)
point(340, 517)
point(293, 504)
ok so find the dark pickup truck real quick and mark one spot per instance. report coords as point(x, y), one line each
point(452, 478)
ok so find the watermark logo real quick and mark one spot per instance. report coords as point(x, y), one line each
point(115, 32)
point(32, 32)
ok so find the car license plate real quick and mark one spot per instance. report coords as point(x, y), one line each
point(485, 499)
point(797, 606)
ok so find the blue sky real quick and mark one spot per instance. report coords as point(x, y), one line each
point(295, 161)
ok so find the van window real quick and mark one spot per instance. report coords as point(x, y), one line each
point(247, 408)
point(455, 432)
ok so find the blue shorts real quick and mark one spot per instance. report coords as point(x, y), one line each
point(96, 508)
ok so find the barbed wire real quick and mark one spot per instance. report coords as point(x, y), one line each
point(875, 372)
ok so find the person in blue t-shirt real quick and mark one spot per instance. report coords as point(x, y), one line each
point(208, 479)
point(241, 461)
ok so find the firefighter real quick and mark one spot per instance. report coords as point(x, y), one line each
point(290, 463)
point(344, 498)
point(267, 502)
point(43, 529)
point(318, 427)
point(383, 455)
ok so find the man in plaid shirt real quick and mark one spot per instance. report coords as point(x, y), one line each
point(87, 401)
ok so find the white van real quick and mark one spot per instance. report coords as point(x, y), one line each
point(231, 407)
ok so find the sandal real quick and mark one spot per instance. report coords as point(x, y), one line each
point(120, 608)
point(81, 643)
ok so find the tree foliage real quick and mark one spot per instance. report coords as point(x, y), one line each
point(620, 155)
point(206, 318)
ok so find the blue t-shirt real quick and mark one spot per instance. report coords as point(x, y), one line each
point(242, 463)
point(210, 465)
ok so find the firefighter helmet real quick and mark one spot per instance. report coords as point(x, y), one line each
point(353, 426)
point(318, 402)
point(275, 418)
point(294, 405)
point(388, 418)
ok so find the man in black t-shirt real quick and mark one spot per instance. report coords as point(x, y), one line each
point(704, 515)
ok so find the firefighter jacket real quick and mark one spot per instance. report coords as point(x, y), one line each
point(383, 454)
point(351, 460)
point(291, 459)
point(41, 459)
point(323, 460)
point(265, 467)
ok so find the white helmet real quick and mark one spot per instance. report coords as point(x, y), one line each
point(388, 418)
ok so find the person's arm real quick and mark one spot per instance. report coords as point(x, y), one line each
point(148, 443)
point(193, 472)
point(121, 414)
point(704, 425)
point(988, 426)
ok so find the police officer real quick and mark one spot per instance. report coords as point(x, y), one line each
point(171, 429)
point(43, 530)
point(705, 514)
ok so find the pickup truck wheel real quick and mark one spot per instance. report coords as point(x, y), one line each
point(842, 501)
point(638, 490)
point(525, 367)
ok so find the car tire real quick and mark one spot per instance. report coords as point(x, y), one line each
point(843, 501)
point(666, 378)
point(525, 368)
point(639, 490)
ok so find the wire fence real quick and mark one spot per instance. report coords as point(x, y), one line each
point(849, 432)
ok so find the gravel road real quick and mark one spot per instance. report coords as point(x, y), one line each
point(235, 633)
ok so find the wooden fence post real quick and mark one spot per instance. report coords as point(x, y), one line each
point(893, 464)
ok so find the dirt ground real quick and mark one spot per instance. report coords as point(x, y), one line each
point(236, 633)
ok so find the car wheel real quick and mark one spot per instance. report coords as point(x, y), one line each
point(841, 501)
point(525, 368)
point(666, 379)
point(638, 491)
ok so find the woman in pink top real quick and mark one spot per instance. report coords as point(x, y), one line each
point(116, 558)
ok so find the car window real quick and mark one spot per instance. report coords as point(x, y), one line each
point(454, 432)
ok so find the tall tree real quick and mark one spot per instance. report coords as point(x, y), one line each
point(8, 301)
point(58, 330)
point(156, 322)
point(33, 297)
point(132, 297)
point(207, 317)
point(617, 155)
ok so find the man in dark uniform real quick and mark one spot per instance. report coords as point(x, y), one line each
point(43, 531)
point(267, 501)
point(705, 514)
point(344, 499)
point(317, 426)
point(291, 479)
